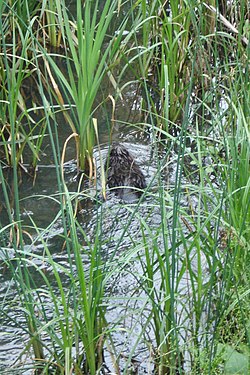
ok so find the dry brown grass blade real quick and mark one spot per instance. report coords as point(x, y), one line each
point(226, 22)
point(59, 96)
point(113, 113)
point(75, 135)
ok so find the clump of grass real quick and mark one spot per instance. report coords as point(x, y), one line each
point(87, 62)
point(51, 11)
point(18, 127)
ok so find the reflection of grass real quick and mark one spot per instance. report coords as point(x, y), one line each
point(188, 304)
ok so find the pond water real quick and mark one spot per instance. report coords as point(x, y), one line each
point(38, 203)
point(127, 301)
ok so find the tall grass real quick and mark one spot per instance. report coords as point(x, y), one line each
point(163, 44)
point(52, 9)
point(90, 53)
point(189, 299)
point(18, 70)
point(218, 204)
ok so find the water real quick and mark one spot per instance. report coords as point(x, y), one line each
point(128, 306)
point(122, 245)
point(40, 203)
point(43, 210)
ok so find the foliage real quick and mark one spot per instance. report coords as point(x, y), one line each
point(86, 66)
point(187, 306)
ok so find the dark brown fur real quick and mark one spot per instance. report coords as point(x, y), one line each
point(122, 170)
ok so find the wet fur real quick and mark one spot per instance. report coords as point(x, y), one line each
point(122, 170)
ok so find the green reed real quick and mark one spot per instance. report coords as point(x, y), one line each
point(193, 279)
point(216, 230)
point(89, 54)
point(18, 69)
point(18, 13)
point(76, 330)
point(52, 8)
point(14, 238)
point(163, 47)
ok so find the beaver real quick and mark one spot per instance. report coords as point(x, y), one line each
point(123, 171)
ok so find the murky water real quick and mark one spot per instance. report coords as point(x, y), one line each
point(39, 203)
point(121, 229)
point(128, 302)
point(43, 210)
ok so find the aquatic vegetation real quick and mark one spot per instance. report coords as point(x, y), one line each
point(87, 63)
point(160, 284)
point(52, 11)
point(19, 127)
